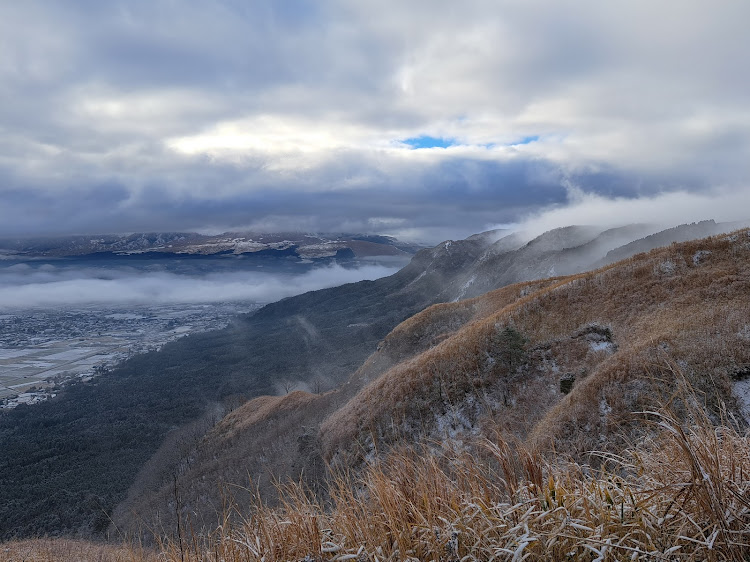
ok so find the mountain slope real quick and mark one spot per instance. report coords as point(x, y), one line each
point(569, 250)
point(562, 363)
point(274, 438)
point(617, 337)
point(95, 438)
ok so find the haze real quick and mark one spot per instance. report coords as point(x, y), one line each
point(22, 286)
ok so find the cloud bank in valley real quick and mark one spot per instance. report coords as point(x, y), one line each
point(432, 119)
point(23, 286)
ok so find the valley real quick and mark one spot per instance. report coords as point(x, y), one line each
point(41, 350)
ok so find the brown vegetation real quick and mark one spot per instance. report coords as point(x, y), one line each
point(69, 550)
point(681, 495)
point(564, 366)
point(687, 305)
point(589, 417)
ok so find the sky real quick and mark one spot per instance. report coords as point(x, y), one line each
point(426, 119)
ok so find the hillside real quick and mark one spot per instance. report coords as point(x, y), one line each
point(563, 364)
point(69, 462)
point(272, 438)
point(590, 350)
point(569, 250)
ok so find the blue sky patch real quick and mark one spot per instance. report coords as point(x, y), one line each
point(527, 140)
point(425, 141)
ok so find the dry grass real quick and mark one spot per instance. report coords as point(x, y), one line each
point(680, 317)
point(684, 495)
point(260, 409)
point(430, 327)
point(69, 550)
point(689, 302)
point(265, 439)
point(431, 376)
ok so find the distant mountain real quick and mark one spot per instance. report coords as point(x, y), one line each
point(177, 244)
point(92, 441)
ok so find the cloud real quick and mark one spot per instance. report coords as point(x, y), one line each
point(24, 286)
point(138, 116)
point(668, 209)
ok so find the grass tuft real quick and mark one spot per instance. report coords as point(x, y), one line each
point(683, 494)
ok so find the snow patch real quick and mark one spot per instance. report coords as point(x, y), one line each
point(465, 287)
point(667, 267)
point(700, 256)
point(454, 421)
point(607, 346)
point(599, 337)
point(742, 393)
point(417, 278)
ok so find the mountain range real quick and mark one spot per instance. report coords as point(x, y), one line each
point(492, 333)
point(164, 245)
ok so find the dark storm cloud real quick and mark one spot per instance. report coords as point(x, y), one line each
point(450, 195)
point(176, 115)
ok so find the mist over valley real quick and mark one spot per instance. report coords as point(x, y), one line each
point(66, 318)
point(119, 282)
point(184, 267)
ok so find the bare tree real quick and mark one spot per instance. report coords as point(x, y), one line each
point(288, 385)
point(317, 385)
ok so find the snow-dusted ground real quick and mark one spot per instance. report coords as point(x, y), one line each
point(742, 393)
point(41, 349)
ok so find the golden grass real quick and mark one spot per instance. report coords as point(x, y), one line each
point(70, 550)
point(689, 302)
point(679, 315)
point(682, 495)
point(259, 409)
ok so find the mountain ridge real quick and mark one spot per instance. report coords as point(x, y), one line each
point(453, 388)
point(314, 340)
point(188, 244)
point(301, 450)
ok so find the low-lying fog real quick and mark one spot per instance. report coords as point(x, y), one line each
point(53, 284)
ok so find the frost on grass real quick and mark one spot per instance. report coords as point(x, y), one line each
point(700, 256)
point(742, 393)
point(678, 495)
